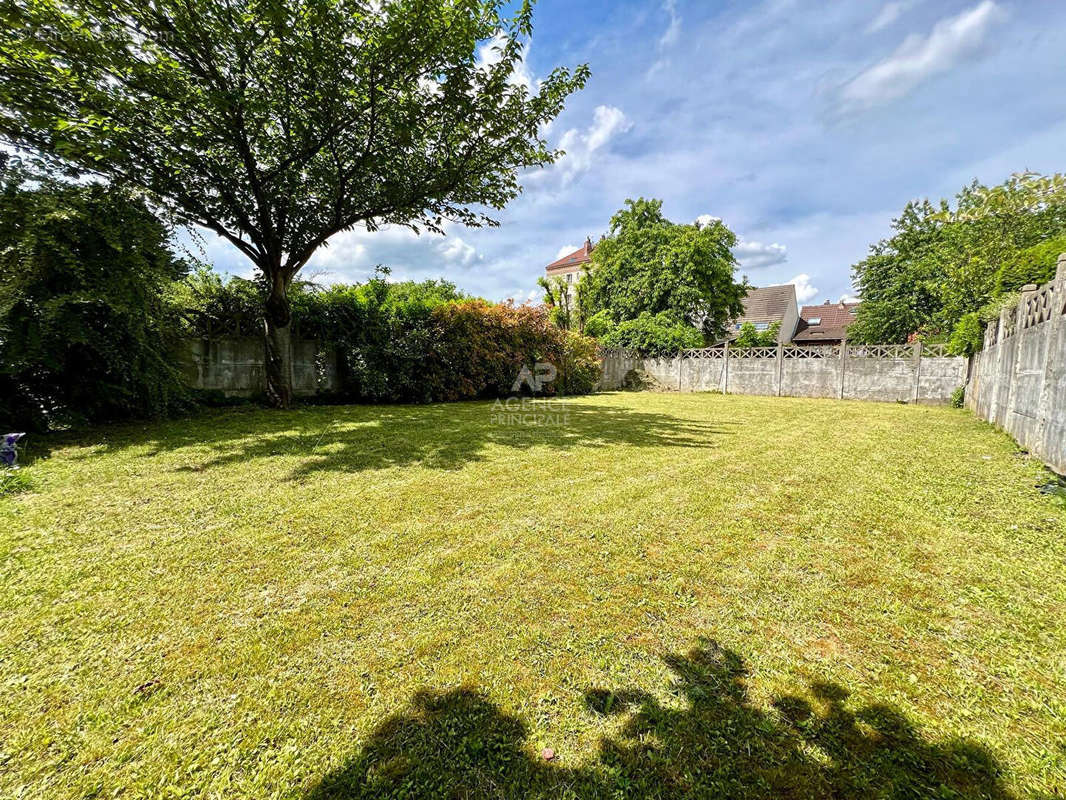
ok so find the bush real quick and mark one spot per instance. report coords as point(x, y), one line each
point(580, 370)
point(1034, 264)
point(750, 337)
point(958, 397)
point(660, 335)
point(968, 335)
point(478, 349)
point(85, 327)
point(407, 342)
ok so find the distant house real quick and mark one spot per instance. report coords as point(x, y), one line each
point(765, 306)
point(569, 266)
point(825, 324)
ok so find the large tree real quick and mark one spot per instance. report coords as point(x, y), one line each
point(945, 264)
point(278, 123)
point(650, 265)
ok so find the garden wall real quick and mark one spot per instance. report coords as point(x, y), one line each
point(1018, 381)
point(904, 373)
point(235, 366)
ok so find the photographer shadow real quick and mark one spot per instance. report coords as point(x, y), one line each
point(458, 744)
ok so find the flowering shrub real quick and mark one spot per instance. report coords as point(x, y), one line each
point(477, 349)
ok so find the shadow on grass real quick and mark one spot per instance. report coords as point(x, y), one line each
point(442, 436)
point(459, 745)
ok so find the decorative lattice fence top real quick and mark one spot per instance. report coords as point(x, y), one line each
point(704, 352)
point(814, 351)
point(881, 351)
point(753, 352)
point(1038, 307)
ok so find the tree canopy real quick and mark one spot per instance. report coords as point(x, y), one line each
point(944, 269)
point(649, 265)
point(278, 123)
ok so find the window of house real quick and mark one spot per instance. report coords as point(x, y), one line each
point(569, 277)
point(814, 321)
point(762, 326)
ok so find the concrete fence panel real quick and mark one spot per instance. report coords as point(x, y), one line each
point(235, 366)
point(1018, 380)
point(811, 371)
point(703, 374)
point(751, 370)
point(904, 373)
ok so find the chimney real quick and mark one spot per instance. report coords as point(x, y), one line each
point(588, 244)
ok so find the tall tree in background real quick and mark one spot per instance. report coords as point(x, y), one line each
point(561, 299)
point(898, 280)
point(278, 123)
point(649, 265)
point(945, 266)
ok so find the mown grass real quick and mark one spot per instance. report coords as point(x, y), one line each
point(681, 595)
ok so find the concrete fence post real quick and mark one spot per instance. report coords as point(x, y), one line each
point(1053, 368)
point(917, 369)
point(725, 368)
point(843, 357)
point(780, 365)
point(998, 376)
point(1019, 319)
point(680, 361)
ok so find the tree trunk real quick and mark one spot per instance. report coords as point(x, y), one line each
point(278, 343)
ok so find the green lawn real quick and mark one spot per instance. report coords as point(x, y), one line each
point(694, 595)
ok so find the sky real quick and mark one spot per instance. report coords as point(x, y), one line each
point(805, 126)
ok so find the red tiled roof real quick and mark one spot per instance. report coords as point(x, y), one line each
point(574, 260)
point(833, 321)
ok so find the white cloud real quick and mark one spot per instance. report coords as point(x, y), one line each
point(707, 219)
point(850, 298)
point(673, 30)
point(565, 250)
point(341, 250)
point(951, 42)
point(754, 255)
point(889, 13)
point(804, 290)
point(581, 146)
point(457, 251)
point(670, 37)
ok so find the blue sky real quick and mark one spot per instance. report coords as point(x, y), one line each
point(805, 126)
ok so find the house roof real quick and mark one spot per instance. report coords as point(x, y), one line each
point(833, 321)
point(767, 304)
point(573, 261)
